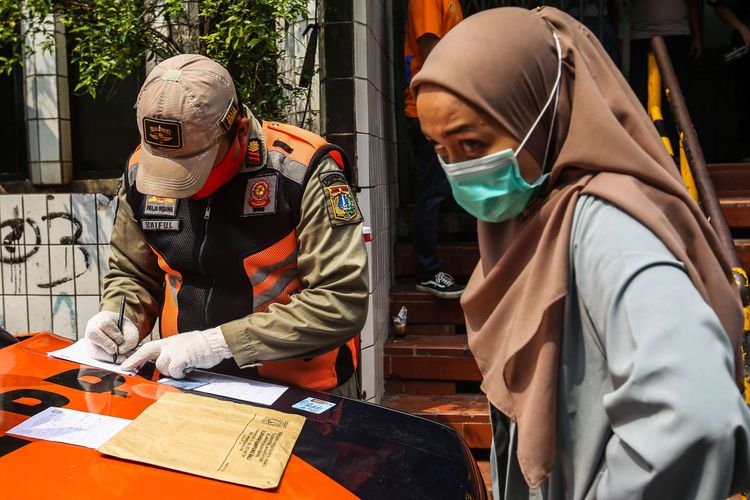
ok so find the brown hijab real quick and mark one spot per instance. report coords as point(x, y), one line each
point(504, 63)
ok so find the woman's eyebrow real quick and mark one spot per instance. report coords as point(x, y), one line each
point(466, 127)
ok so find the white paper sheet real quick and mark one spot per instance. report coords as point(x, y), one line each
point(251, 391)
point(77, 353)
point(70, 426)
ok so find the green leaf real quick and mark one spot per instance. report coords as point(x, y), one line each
point(112, 38)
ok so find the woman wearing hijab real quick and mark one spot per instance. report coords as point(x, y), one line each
point(602, 315)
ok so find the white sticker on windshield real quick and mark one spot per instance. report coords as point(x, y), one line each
point(314, 405)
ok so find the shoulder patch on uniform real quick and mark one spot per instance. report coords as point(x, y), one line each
point(253, 155)
point(340, 203)
point(260, 195)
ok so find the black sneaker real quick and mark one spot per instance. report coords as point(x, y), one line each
point(441, 285)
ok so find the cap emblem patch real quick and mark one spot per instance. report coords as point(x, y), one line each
point(162, 133)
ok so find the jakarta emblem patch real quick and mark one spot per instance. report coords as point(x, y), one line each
point(340, 203)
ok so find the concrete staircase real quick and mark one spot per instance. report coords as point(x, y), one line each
point(430, 371)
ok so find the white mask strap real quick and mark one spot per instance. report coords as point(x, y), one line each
point(553, 95)
point(554, 110)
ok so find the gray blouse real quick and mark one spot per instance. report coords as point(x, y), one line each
point(647, 405)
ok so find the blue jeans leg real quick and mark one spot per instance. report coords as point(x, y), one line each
point(432, 189)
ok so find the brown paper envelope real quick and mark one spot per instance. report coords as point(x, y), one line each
point(232, 442)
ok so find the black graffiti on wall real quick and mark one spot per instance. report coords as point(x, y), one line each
point(17, 252)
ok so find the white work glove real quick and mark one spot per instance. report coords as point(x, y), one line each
point(103, 338)
point(177, 355)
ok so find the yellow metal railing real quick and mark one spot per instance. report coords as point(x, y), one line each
point(710, 204)
point(654, 111)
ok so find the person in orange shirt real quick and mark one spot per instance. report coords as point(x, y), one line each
point(427, 22)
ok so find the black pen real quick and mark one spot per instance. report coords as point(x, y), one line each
point(119, 325)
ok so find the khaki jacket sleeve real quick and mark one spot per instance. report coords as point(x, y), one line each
point(332, 307)
point(133, 270)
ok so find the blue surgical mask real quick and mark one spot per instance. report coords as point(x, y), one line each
point(491, 188)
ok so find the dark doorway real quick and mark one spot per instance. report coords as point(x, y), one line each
point(104, 131)
point(12, 127)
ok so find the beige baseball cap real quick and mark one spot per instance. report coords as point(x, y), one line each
point(185, 106)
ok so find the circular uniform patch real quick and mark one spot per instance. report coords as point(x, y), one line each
point(260, 194)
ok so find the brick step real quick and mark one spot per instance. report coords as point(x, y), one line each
point(459, 259)
point(429, 345)
point(433, 358)
point(425, 345)
point(422, 387)
point(730, 179)
point(736, 211)
point(433, 329)
point(468, 414)
point(424, 308)
point(743, 250)
point(486, 471)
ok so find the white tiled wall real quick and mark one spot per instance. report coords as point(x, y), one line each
point(48, 109)
point(53, 256)
point(375, 158)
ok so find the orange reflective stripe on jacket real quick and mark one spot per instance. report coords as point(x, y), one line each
point(135, 158)
point(273, 275)
point(272, 272)
point(169, 309)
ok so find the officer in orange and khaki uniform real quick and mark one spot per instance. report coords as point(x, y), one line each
point(243, 238)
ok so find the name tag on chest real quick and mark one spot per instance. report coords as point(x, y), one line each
point(160, 224)
point(161, 206)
